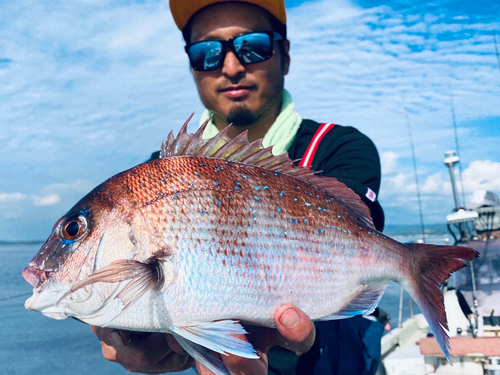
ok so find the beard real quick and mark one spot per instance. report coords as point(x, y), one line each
point(241, 117)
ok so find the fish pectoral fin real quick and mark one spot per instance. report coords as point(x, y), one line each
point(217, 336)
point(142, 276)
point(362, 303)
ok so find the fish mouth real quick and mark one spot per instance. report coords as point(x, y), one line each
point(35, 276)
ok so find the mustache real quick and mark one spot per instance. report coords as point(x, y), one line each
point(234, 81)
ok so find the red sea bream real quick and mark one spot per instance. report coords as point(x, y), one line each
point(220, 231)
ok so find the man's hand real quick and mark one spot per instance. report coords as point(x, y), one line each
point(156, 353)
point(152, 353)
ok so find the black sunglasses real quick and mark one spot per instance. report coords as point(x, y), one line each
point(249, 48)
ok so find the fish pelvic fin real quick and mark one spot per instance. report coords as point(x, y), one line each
point(431, 266)
point(216, 336)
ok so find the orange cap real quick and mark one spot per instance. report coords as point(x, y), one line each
point(183, 10)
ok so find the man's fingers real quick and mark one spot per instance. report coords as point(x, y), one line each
point(296, 329)
point(174, 345)
point(239, 365)
point(112, 337)
point(142, 354)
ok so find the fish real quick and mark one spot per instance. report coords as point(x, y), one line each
point(218, 232)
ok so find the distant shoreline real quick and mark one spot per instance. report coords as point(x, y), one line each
point(37, 242)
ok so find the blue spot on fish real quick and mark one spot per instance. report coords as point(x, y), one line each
point(256, 198)
point(282, 193)
point(216, 183)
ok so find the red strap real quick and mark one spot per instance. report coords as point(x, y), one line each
point(308, 157)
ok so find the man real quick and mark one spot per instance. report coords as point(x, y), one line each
point(239, 56)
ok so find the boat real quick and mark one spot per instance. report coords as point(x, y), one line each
point(471, 298)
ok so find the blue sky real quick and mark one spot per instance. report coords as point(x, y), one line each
point(89, 88)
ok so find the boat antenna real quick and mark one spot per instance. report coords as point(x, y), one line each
point(415, 171)
point(456, 144)
point(496, 49)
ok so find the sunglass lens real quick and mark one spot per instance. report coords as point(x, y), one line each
point(205, 55)
point(253, 48)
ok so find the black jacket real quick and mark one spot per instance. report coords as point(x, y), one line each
point(349, 156)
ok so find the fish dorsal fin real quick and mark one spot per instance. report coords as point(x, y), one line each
point(240, 150)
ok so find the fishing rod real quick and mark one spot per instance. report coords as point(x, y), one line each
point(27, 294)
point(415, 172)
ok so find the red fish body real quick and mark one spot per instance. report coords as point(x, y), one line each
point(221, 231)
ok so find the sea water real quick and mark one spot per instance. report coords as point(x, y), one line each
point(31, 343)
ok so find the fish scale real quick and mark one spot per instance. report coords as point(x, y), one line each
point(221, 230)
point(234, 211)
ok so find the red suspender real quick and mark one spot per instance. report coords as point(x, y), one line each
point(308, 157)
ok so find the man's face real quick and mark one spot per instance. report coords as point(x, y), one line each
point(238, 93)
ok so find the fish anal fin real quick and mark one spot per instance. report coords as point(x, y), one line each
point(362, 303)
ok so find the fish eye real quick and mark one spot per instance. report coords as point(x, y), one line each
point(74, 227)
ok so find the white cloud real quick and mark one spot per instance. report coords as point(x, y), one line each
point(78, 186)
point(389, 162)
point(12, 197)
point(47, 200)
point(482, 175)
point(436, 184)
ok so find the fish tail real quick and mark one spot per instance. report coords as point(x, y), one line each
point(431, 266)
